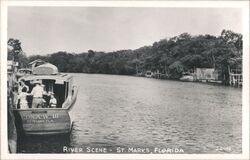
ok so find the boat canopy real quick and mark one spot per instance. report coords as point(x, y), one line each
point(46, 69)
point(58, 77)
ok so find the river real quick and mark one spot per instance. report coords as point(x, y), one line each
point(124, 111)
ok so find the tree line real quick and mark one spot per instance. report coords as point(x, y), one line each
point(171, 56)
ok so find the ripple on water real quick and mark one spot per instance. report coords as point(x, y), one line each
point(134, 111)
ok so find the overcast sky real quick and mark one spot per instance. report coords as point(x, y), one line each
point(44, 30)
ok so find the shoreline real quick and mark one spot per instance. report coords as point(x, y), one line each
point(177, 80)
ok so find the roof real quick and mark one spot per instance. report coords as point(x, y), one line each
point(60, 77)
point(45, 69)
point(9, 62)
point(25, 69)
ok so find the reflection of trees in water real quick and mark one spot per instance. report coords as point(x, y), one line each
point(42, 144)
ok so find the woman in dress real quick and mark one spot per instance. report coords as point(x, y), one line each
point(23, 98)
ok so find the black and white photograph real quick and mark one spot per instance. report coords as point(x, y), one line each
point(123, 79)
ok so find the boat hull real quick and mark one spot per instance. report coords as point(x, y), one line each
point(43, 121)
point(46, 121)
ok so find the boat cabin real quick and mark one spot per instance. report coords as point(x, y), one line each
point(53, 82)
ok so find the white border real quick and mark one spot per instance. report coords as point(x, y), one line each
point(212, 4)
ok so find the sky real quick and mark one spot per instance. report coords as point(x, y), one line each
point(45, 30)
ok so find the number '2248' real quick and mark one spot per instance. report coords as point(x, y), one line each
point(220, 148)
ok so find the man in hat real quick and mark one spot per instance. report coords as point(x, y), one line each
point(37, 93)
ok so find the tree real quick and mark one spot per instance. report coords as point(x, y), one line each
point(176, 70)
point(171, 56)
point(233, 38)
point(14, 49)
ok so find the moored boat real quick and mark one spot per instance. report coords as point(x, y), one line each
point(187, 78)
point(47, 118)
point(149, 74)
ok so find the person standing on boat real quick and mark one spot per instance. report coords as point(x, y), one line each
point(53, 101)
point(22, 85)
point(37, 93)
point(23, 99)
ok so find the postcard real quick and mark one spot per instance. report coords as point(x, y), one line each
point(125, 79)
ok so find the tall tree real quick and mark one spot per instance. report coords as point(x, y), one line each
point(14, 49)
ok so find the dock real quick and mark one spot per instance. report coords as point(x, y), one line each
point(235, 77)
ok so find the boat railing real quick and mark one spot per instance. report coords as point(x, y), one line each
point(35, 109)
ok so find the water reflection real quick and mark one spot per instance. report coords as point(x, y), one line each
point(42, 144)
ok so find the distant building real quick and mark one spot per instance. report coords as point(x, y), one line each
point(206, 74)
point(12, 66)
point(235, 76)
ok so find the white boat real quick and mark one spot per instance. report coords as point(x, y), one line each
point(46, 120)
point(187, 78)
point(149, 74)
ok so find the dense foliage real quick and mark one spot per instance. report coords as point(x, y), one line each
point(171, 56)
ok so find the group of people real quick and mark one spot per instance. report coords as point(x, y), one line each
point(38, 92)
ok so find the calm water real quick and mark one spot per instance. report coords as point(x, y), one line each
point(124, 111)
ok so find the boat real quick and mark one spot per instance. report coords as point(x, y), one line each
point(47, 120)
point(187, 78)
point(149, 74)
